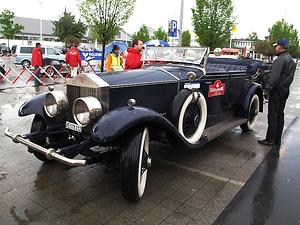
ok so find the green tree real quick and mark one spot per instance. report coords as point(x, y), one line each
point(265, 47)
point(297, 53)
point(282, 29)
point(142, 34)
point(213, 22)
point(253, 36)
point(68, 30)
point(160, 34)
point(7, 26)
point(186, 38)
point(105, 18)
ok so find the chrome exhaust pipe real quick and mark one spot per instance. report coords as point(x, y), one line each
point(49, 153)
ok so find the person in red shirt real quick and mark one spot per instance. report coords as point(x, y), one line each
point(133, 59)
point(74, 60)
point(37, 60)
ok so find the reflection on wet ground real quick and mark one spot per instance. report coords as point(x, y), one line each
point(271, 196)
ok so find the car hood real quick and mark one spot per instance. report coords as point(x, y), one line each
point(148, 75)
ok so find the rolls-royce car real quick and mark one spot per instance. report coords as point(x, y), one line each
point(179, 96)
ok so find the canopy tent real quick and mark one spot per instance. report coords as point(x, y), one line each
point(156, 42)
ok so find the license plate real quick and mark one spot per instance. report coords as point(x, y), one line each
point(192, 86)
point(73, 126)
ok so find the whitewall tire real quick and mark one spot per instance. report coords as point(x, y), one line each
point(189, 114)
point(252, 114)
point(135, 162)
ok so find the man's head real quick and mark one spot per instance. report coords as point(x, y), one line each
point(138, 44)
point(116, 49)
point(281, 45)
point(38, 45)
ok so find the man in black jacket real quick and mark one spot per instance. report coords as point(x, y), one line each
point(278, 89)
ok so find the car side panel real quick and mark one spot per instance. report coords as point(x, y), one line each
point(157, 97)
point(239, 82)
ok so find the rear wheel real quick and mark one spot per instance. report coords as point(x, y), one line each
point(135, 162)
point(252, 114)
point(38, 124)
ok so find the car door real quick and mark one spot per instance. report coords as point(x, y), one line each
point(216, 89)
point(239, 83)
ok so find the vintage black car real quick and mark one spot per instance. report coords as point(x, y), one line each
point(177, 96)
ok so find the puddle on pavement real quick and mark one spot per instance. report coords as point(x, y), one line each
point(25, 218)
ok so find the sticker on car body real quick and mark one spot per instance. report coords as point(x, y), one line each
point(216, 89)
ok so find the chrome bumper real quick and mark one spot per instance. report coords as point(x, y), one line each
point(49, 153)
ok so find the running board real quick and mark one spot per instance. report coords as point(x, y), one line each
point(220, 128)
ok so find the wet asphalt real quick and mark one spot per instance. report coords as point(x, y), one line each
point(182, 188)
point(272, 195)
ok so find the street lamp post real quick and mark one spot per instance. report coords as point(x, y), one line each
point(180, 23)
point(41, 24)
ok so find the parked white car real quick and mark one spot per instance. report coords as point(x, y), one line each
point(23, 55)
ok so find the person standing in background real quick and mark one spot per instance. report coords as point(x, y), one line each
point(133, 59)
point(278, 89)
point(73, 59)
point(37, 60)
point(114, 61)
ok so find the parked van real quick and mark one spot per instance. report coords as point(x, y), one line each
point(23, 55)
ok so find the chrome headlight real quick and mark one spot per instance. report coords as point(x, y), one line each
point(55, 103)
point(86, 109)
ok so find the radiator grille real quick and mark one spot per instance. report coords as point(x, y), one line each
point(74, 92)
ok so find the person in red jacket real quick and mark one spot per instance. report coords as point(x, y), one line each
point(133, 59)
point(37, 60)
point(74, 60)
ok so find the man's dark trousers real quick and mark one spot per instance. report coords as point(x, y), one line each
point(37, 73)
point(276, 116)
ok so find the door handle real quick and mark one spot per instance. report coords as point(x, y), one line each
point(208, 82)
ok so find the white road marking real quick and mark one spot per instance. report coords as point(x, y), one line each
point(208, 174)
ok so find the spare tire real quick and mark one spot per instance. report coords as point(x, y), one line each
point(189, 113)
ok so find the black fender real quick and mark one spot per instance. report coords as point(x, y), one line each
point(244, 107)
point(113, 125)
point(35, 106)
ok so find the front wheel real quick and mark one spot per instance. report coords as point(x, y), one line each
point(252, 114)
point(135, 162)
point(38, 124)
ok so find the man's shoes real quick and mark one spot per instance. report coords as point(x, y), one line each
point(265, 142)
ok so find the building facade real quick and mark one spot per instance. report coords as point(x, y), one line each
point(33, 28)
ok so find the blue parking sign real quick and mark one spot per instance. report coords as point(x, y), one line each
point(172, 28)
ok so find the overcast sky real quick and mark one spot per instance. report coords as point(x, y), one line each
point(252, 15)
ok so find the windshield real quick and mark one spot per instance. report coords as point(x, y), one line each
point(174, 54)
